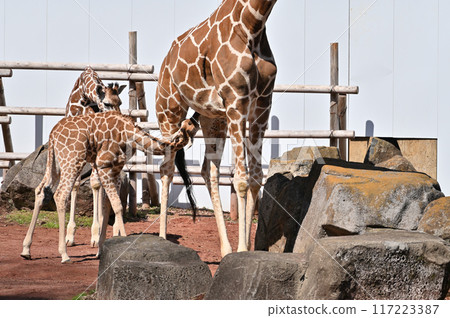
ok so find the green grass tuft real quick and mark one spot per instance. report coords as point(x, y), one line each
point(46, 219)
point(84, 295)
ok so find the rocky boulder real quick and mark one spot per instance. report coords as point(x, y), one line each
point(299, 161)
point(21, 180)
point(347, 201)
point(386, 154)
point(280, 213)
point(149, 267)
point(387, 264)
point(258, 275)
point(436, 219)
point(285, 197)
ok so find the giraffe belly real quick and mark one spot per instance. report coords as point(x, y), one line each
point(205, 101)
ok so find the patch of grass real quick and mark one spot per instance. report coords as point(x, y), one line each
point(46, 219)
point(85, 295)
point(141, 214)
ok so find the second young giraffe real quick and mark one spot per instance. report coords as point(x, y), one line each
point(89, 95)
point(101, 139)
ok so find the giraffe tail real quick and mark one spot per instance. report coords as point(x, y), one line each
point(47, 181)
point(180, 162)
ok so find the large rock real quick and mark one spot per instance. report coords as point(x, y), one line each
point(21, 180)
point(280, 213)
point(380, 150)
point(24, 177)
point(348, 201)
point(258, 275)
point(398, 163)
point(436, 219)
point(286, 197)
point(386, 154)
point(389, 264)
point(149, 267)
point(299, 161)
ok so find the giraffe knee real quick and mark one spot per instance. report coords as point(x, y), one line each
point(95, 184)
point(117, 207)
point(241, 187)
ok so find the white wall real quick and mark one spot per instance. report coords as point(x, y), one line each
point(395, 51)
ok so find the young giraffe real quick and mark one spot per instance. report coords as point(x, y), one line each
point(224, 70)
point(89, 95)
point(102, 139)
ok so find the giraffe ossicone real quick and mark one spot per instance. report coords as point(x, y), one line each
point(225, 71)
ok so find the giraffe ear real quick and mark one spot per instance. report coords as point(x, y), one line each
point(100, 92)
point(121, 88)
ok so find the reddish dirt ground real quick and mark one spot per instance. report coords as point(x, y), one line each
point(44, 277)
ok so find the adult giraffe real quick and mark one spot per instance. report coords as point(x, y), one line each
point(225, 71)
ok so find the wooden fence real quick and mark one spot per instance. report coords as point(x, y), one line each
point(136, 74)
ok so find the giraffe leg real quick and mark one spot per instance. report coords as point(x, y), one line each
point(258, 119)
point(236, 129)
point(71, 226)
point(97, 192)
point(69, 175)
point(110, 183)
point(167, 170)
point(51, 177)
point(104, 223)
point(215, 133)
point(38, 202)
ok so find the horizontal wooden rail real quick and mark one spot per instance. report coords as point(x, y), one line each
point(124, 76)
point(318, 89)
point(137, 164)
point(318, 134)
point(55, 66)
point(6, 72)
point(5, 120)
point(58, 111)
point(13, 155)
point(4, 164)
point(224, 181)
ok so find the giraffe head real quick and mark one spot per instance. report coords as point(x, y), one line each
point(186, 133)
point(109, 96)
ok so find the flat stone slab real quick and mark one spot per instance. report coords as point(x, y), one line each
point(149, 267)
point(258, 275)
point(384, 264)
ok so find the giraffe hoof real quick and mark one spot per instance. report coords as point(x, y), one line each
point(66, 261)
point(26, 256)
point(69, 241)
point(94, 241)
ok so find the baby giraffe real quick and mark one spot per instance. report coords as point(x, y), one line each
point(104, 140)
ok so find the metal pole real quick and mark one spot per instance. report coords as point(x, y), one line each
point(132, 195)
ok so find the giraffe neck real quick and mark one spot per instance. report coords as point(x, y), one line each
point(144, 141)
point(83, 99)
point(252, 14)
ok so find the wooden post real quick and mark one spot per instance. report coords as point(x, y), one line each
point(334, 81)
point(150, 196)
point(5, 127)
point(132, 195)
point(342, 115)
